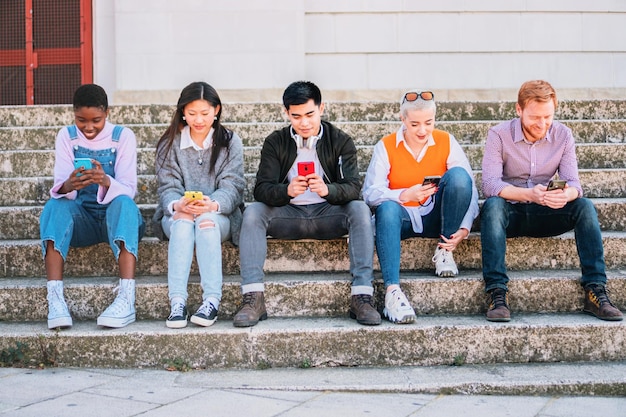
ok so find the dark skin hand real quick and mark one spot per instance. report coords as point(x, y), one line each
point(95, 175)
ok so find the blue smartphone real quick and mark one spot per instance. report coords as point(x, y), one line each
point(82, 162)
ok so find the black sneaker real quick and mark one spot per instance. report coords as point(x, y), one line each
point(178, 317)
point(206, 314)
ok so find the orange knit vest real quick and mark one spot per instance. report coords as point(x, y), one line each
point(405, 171)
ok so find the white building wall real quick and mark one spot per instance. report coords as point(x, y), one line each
point(147, 50)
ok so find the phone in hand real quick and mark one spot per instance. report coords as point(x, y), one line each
point(82, 163)
point(556, 185)
point(193, 195)
point(431, 179)
point(306, 168)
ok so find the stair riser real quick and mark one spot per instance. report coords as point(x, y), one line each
point(348, 345)
point(24, 259)
point(308, 298)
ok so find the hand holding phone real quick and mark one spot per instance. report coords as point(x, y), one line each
point(431, 179)
point(82, 163)
point(556, 185)
point(306, 168)
point(194, 195)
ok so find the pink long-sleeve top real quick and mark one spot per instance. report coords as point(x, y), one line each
point(125, 181)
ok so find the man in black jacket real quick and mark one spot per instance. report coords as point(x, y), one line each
point(307, 186)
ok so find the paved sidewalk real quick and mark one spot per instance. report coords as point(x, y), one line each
point(330, 392)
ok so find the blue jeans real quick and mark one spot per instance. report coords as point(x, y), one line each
point(500, 219)
point(183, 236)
point(393, 223)
point(315, 221)
point(69, 223)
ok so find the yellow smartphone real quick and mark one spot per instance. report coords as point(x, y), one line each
point(556, 185)
point(193, 195)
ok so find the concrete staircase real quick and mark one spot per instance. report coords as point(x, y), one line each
point(307, 287)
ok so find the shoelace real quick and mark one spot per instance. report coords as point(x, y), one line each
point(364, 299)
point(498, 298)
point(398, 298)
point(178, 309)
point(249, 298)
point(120, 303)
point(56, 302)
point(601, 293)
point(206, 308)
point(444, 255)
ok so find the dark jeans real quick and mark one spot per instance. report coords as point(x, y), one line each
point(500, 219)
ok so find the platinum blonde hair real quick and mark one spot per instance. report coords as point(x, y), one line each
point(419, 104)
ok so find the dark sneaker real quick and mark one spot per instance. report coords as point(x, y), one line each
point(252, 310)
point(499, 305)
point(363, 311)
point(206, 314)
point(178, 316)
point(597, 303)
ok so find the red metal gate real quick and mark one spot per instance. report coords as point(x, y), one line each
point(46, 50)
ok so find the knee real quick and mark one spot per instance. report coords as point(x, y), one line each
point(457, 179)
point(493, 211)
point(123, 202)
point(585, 208)
point(252, 214)
point(388, 213)
point(359, 211)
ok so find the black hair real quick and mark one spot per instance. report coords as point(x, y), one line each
point(198, 90)
point(300, 92)
point(90, 95)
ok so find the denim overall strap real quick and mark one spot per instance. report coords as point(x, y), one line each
point(106, 157)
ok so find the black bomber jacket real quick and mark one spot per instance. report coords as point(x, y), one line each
point(336, 152)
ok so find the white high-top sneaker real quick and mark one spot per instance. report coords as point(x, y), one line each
point(122, 311)
point(58, 313)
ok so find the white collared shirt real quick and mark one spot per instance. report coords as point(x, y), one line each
point(376, 186)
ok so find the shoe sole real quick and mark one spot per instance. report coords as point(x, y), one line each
point(250, 323)
point(176, 324)
point(60, 323)
point(447, 274)
point(404, 320)
point(618, 318)
point(499, 319)
point(115, 323)
point(202, 322)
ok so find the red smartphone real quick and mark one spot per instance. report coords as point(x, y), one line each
point(306, 168)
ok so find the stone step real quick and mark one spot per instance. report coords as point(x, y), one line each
point(60, 115)
point(29, 191)
point(22, 258)
point(317, 342)
point(22, 222)
point(364, 133)
point(39, 163)
point(313, 294)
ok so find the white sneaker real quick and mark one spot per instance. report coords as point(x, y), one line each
point(122, 311)
point(58, 313)
point(397, 308)
point(444, 263)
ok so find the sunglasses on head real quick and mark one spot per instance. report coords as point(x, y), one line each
point(424, 95)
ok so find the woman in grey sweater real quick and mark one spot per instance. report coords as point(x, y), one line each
point(199, 166)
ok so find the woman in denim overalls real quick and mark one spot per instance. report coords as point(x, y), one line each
point(92, 205)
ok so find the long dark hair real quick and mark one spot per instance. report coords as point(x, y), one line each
point(221, 136)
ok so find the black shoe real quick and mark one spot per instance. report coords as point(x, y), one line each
point(597, 303)
point(178, 317)
point(206, 314)
point(499, 305)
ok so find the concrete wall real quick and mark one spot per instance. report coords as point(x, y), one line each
point(147, 50)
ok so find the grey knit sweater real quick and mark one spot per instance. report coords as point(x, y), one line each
point(181, 172)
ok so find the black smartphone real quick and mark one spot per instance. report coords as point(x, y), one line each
point(432, 179)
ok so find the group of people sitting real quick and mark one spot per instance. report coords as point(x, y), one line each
point(419, 183)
